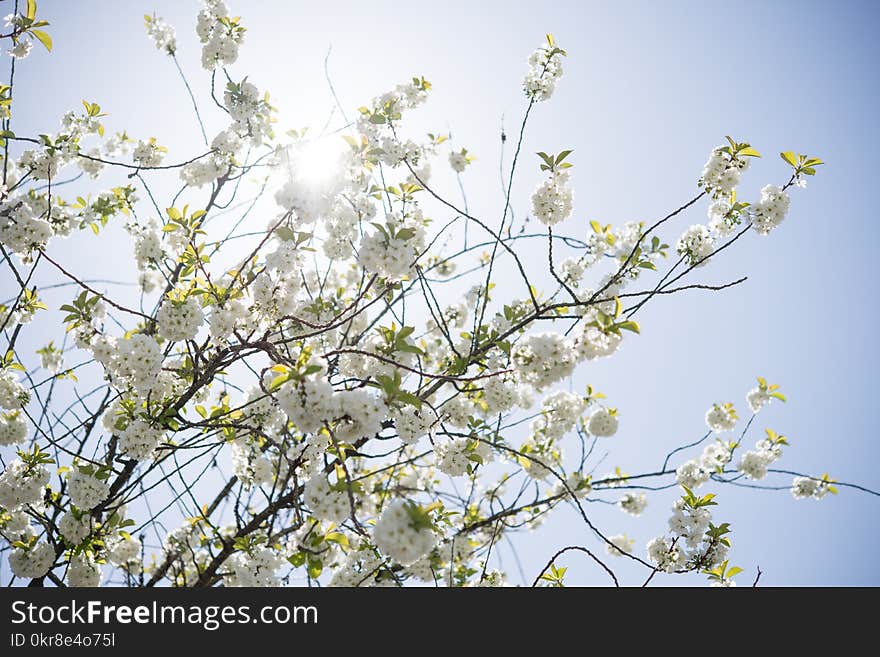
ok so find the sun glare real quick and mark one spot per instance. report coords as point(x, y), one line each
point(318, 162)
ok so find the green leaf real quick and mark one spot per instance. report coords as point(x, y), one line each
point(748, 151)
point(277, 381)
point(285, 233)
point(789, 157)
point(338, 538)
point(409, 398)
point(548, 160)
point(43, 38)
point(31, 9)
point(315, 568)
point(629, 325)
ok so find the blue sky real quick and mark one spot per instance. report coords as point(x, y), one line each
point(649, 89)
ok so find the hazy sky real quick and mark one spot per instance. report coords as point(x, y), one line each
point(649, 89)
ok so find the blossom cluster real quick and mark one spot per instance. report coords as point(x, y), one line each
point(85, 489)
point(696, 472)
point(719, 178)
point(220, 34)
point(810, 487)
point(22, 484)
point(552, 200)
point(693, 541)
point(180, 320)
point(161, 33)
point(753, 464)
point(545, 70)
point(401, 533)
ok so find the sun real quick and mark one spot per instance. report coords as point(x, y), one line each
point(318, 163)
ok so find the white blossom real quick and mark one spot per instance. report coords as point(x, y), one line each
point(398, 534)
point(633, 503)
point(161, 33)
point(552, 200)
point(32, 562)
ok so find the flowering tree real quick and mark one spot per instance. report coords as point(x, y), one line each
point(372, 391)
